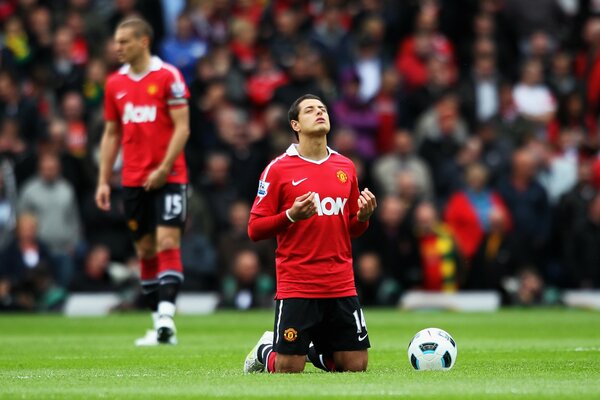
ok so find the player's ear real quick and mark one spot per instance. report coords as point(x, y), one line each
point(295, 125)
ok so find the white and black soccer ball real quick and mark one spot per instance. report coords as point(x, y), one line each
point(432, 349)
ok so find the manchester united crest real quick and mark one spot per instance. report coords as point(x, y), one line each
point(290, 334)
point(152, 89)
point(342, 176)
point(133, 225)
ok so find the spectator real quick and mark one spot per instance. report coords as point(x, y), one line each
point(27, 271)
point(18, 107)
point(440, 135)
point(245, 286)
point(267, 77)
point(583, 252)
point(480, 91)
point(495, 150)
point(373, 286)
point(183, 49)
point(403, 158)
point(243, 44)
point(108, 228)
point(391, 239)
point(330, 36)
point(52, 200)
point(99, 274)
point(217, 187)
point(533, 100)
point(8, 202)
point(235, 239)
point(441, 265)
point(469, 211)
point(528, 204)
point(66, 74)
point(301, 81)
point(198, 254)
point(497, 259)
point(390, 107)
point(359, 115)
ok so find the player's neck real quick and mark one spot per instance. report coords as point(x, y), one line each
point(313, 148)
point(141, 65)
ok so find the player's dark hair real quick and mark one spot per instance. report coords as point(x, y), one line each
point(295, 108)
point(139, 26)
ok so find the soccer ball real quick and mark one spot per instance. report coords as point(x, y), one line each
point(432, 349)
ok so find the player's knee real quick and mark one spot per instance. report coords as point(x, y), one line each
point(168, 243)
point(289, 364)
point(354, 361)
point(357, 365)
point(145, 248)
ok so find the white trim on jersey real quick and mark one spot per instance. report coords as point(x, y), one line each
point(263, 178)
point(293, 151)
point(155, 64)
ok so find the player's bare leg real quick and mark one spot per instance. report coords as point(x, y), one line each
point(170, 278)
point(351, 361)
point(285, 363)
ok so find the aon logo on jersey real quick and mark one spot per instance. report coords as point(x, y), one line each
point(137, 114)
point(329, 205)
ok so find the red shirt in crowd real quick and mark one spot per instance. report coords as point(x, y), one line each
point(313, 256)
point(140, 104)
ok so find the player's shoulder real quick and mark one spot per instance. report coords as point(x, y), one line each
point(342, 159)
point(169, 70)
point(115, 78)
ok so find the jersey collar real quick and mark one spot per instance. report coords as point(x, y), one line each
point(293, 151)
point(155, 64)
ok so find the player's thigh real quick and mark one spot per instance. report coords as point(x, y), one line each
point(286, 363)
point(140, 216)
point(344, 327)
point(171, 205)
point(295, 322)
point(351, 361)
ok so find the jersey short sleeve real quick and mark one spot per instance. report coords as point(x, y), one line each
point(176, 93)
point(268, 194)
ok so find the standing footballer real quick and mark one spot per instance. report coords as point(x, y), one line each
point(309, 199)
point(146, 113)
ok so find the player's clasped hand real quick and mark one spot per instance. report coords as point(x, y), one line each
point(304, 207)
point(367, 203)
point(156, 179)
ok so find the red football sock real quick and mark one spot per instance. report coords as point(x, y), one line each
point(271, 362)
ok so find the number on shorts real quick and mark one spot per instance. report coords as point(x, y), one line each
point(359, 318)
point(173, 205)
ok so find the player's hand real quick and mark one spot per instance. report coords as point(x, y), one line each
point(304, 207)
point(367, 203)
point(103, 196)
point(156, 179)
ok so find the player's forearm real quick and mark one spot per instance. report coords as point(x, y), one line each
point(357, 227)
point(176, 146)
point(260, 228)
point(109, 148)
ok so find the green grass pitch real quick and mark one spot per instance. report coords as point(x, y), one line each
point(512, 354)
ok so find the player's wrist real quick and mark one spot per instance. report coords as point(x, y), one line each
point(287, 214)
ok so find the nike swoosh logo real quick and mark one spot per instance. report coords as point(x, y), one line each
point(361, 338)
point(168, 217)
point(120, 95)
point(296, 183)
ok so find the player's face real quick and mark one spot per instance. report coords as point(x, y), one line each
point(128, 46)
point(313, 117)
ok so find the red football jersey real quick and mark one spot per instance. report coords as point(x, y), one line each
point(313, 256)
point(140, 105)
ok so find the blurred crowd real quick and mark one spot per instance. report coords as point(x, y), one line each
point(475, 122)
